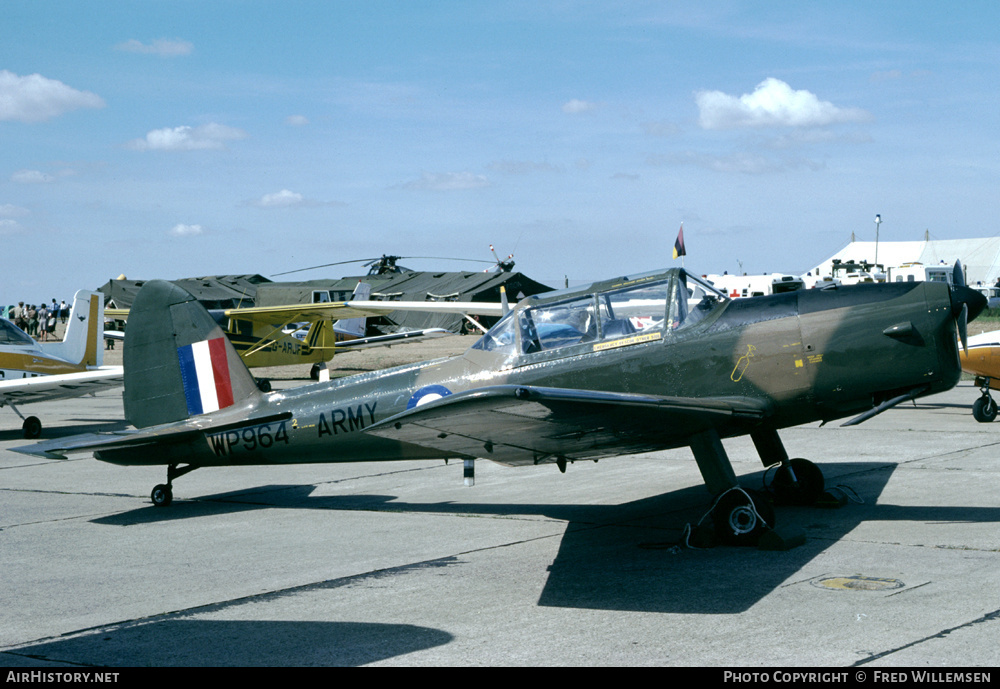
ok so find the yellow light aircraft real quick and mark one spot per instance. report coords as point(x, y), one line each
point(983, 361)
point(37, 371)
point(313, 333)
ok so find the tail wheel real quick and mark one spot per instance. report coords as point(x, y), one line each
point(984, 409)
point(804, 489)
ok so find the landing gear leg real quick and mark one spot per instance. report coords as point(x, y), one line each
point(985, 408)
point(163, 493)
point(739, 516)
point(797, 481)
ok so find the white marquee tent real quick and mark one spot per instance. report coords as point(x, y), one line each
point(981, 257)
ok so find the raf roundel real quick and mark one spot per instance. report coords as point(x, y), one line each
point(427, 394)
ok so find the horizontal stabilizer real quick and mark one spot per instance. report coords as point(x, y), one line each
point(89, 443)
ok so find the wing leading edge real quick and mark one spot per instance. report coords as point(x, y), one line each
point(515, 425)
point(59, 386)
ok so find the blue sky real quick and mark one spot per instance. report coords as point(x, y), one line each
point(174, 139)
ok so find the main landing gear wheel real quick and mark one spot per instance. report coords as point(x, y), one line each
point(162, 495)
point(264, 385)
point(984, 409)
point(314, 372)
point(804, 489)
point(741, 516)
point(32, 427)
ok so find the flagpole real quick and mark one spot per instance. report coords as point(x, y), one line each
point(679, 249)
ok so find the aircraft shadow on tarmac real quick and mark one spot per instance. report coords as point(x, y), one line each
point(619, 557)
point(173, 641)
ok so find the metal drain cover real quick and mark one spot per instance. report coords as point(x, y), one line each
point(857, 583)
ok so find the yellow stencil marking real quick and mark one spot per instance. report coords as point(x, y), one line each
point(741, 365)
point(635, 339)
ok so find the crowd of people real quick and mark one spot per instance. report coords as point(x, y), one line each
point(39, 320)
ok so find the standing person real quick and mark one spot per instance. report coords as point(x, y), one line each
point(53, 318)
point(63, 311)
point(43, 323)
point(32, 320)
point(50, 319)
point(19, 320)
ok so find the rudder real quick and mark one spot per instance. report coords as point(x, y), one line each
point(178, 361)
point(82, 344)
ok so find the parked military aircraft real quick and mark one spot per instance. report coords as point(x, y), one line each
point(983, 361)
point(37, 371)
point(632, 364)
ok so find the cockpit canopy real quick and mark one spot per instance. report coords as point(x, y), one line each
point(10, 334)
point(604, 314)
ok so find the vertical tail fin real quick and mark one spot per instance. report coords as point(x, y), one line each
point(356, 326)
point(83, 343)
point(178, 362)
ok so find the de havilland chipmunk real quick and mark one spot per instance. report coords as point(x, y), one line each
point(632, 364)
point(33, 371)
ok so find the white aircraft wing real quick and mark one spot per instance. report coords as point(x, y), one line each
point(354, 309)
point(391, 339)
point(41, 388)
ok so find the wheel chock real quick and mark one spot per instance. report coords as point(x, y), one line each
point(781, 538)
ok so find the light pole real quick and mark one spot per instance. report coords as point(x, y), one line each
point(878, 221)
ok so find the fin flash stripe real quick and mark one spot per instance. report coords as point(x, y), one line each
point(205, 374)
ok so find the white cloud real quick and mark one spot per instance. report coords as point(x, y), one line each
point(9, 210)
point(162, 47)
point(31, 177)
point(207, 136)
point(281, 199)
point(35, 98)
point(575, 106)
point(772, 104)
point(182, 230)
point(447, 181)
point(297, 120)
point(9, 226)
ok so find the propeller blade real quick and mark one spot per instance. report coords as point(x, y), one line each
point(958, 275)
point(505, 307)
point(962, 321)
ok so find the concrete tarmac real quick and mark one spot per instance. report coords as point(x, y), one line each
point(400, 564)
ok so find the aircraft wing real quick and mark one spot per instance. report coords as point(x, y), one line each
point(515, 425)
point(356, 309)
point(391, 339)
point(40, 388)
